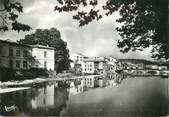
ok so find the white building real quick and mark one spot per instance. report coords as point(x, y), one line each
point(89, 65)
point(44, 56)
point(77, 58)
point(93, 66)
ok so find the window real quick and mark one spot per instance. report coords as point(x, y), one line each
point(45, 64)
point(10, 63)
point(17, 64)
point(90, 69)
point(45, 54)
point(25, 64)
point(10, 52)
point(25, 53)
point(18, 53)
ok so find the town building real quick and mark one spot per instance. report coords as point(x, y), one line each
point(18, 56)
point(77, 58)
point(93, 66)
point(14, 55)
point(44, 57)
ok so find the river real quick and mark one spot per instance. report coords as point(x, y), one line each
point(139, 96)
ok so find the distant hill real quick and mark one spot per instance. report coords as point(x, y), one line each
point(143, 61)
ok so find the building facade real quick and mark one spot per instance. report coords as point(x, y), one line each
point(89, 65)
point(77, 58)
point(93, 66)
point(44, 57)
point(14, 55)
point(21, 56)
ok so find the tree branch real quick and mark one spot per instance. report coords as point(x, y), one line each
point(3, 20)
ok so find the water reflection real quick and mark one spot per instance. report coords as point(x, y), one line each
point(45, 97)
point(43, 100)
point(87, 96)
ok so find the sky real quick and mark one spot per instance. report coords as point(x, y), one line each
point(99, 38)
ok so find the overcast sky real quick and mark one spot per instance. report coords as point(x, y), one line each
point(96, 39)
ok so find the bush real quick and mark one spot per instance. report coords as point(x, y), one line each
point(7, 74)
point(35, 72)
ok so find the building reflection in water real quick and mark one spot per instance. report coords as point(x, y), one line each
point(48, 99)
point(45, 100)
point(75, 88)
point(114, 79)
point(45, 97)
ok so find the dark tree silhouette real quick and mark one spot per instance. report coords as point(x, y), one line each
point(9, 12)
point(145, 22)
point(52, 38)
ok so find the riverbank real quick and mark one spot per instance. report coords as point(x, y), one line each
point(7, 90)
point(15, 84)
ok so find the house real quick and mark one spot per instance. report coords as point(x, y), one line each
point(77, 62)
point(93, 66)
point(89, 65)
point(44, 57)
point(77, 58)
point(14, 55)
point(21, 56)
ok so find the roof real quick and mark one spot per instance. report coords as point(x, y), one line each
point(93, 60)
point(14, 43)
point(41, 46)
point(11, 42)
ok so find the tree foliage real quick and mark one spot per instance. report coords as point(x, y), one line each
point(144, 22)
point(52, 38)
point(9, 12)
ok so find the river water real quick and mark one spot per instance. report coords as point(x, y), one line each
point(141, 96)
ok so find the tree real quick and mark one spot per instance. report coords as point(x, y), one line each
point(9, 12)
point(144, 22)
point(52, 38)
